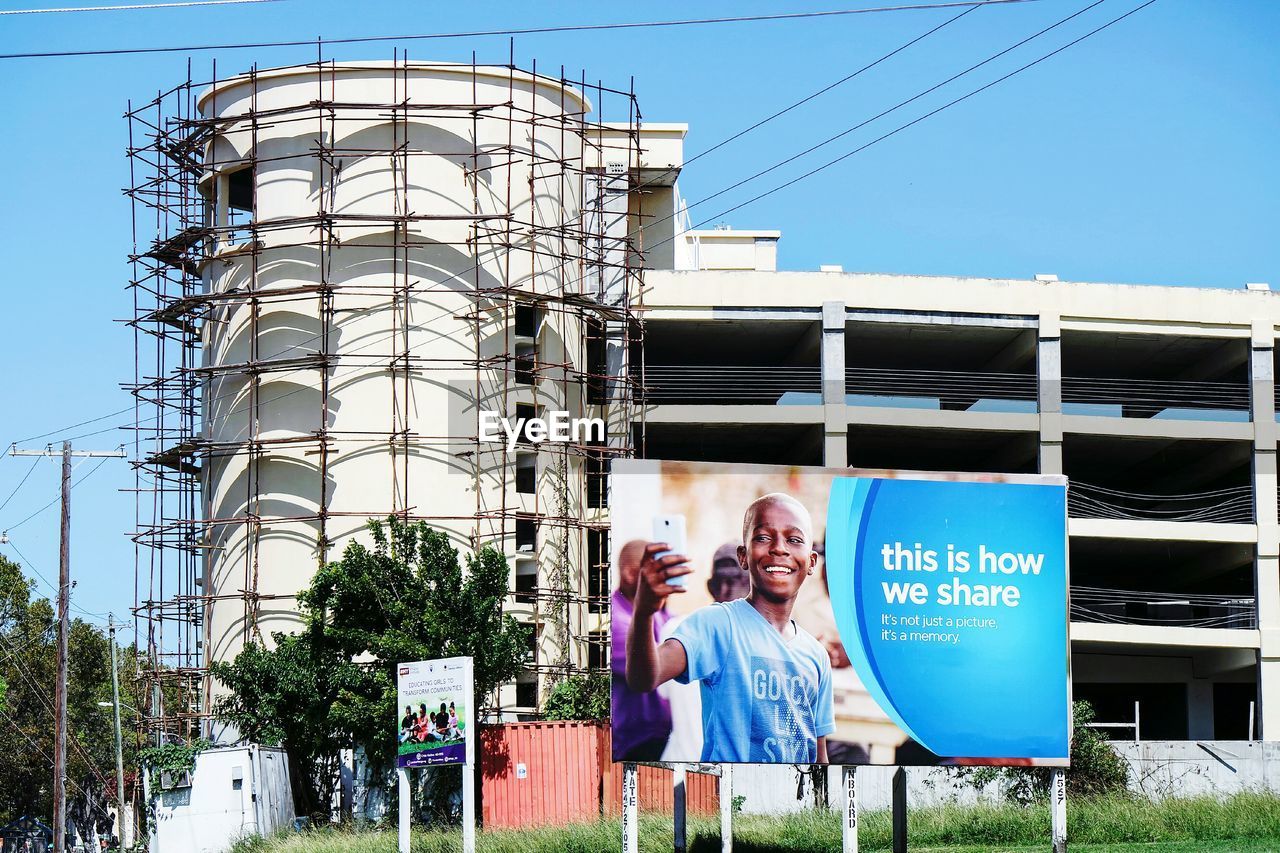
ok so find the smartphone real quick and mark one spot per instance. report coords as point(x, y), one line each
point(670, 529)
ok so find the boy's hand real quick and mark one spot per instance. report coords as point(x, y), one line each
point(653, 585)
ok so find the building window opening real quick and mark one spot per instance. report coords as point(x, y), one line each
point(598, 571)
point(597, 476)
point(598, 651)
point(526, 363)
point(240, 192)
point(597, 365)
point(526, 535)
point(526, 473)
point(527, 693)
point(526, 590)
point(528, 321)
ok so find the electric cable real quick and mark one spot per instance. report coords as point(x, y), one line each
point(970, 7)
point(919, 119)
point(59, 497)
point(34, 462)
point(132, 7)
point(570, 28)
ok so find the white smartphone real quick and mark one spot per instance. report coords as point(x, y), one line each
point(670, 529)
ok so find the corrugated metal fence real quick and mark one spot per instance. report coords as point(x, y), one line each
point(561, 772)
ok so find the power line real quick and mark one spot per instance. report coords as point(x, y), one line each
point(93, 471)
point(132, 7)
point(73, 426)
point(970, 7)
point(825, 89)
point(916, 121)
point(778, 165)
point(34, 463)
point(572, 28)
point(28, 564)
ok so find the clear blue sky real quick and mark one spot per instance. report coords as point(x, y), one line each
point(1146, 154)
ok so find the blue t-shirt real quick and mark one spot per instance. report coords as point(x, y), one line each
point(764, 698)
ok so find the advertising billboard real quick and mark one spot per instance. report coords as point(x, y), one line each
point(434, 709)
point(768, 614)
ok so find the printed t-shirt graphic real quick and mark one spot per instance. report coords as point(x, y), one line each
point(764, 698)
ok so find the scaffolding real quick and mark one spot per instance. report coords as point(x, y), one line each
point(548, 294)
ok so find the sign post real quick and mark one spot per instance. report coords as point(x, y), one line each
point(726, 808)
point(849, 826)
point(630, 809)
point(678, 804)
point(1058, 791)
point(402, 782)
point(435, 706)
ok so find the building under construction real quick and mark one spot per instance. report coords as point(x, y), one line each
point(336, 268)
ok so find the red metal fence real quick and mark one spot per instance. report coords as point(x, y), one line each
point(561, 772)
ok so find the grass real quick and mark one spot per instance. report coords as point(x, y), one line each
point(1245, 822)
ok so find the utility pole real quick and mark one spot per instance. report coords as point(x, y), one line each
point(64, 627)
point(126, 827)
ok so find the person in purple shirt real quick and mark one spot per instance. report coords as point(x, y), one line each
point(641, 721)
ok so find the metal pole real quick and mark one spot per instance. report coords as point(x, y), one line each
point(849, 826)
point(64, 624)
point(402, 782)
point(630, 809)
point(1058, 790)
point(126, 826)
point(726, 808)
point(678, 803)
point(468, 809)
point(900, 810)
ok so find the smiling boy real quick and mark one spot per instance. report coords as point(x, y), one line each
point(765, 682)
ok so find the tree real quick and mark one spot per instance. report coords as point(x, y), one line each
point(1096, 770)
point(333, 685)
point(579, 697)
point(28, 669)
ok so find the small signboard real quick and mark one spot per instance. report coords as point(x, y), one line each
point(435, 713)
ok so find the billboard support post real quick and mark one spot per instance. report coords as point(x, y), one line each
point(726, 808)
point(849, 827)
point(678, 803)
point(402, 782)
point(630, 809)
point(468, 808)
point(1058, 789)
point(900, 810)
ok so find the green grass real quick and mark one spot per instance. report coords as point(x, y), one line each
point(1246, 822)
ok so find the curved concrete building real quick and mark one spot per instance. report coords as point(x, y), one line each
point(360, 260)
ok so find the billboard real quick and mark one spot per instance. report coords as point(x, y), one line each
point(434, 709)
point(768, 614)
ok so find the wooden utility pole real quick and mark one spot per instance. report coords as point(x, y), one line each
point(125, 824)
point(64, 627)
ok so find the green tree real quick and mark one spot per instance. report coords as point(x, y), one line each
point(28, 669)
point(1096, 769)
point(579, 697)
point(333, 685)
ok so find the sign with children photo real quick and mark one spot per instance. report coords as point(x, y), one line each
point(779, 614)
point(434, 712)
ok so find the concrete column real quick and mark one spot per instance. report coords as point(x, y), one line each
point(1049, 392)
point(835, 417)
point(1262, 383)
point(1200, 709)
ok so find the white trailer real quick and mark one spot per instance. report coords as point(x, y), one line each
point(233, 792)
